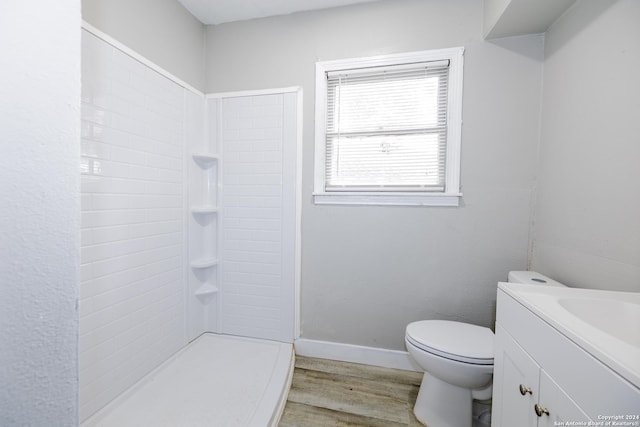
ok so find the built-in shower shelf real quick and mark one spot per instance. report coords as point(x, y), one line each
point(205, 160)
point(204, 263)
point(206, 290)
point(204, 209)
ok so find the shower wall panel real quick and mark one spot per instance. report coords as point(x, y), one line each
point(132, 292)
point(258, 223)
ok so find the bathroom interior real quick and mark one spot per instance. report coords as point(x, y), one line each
point(158, 171)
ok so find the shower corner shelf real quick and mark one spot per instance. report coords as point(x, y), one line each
point(204, 263)
point(204, 209)
point(205, 160)
point(206, 290)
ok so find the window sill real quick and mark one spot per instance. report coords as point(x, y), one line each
point(388, 199)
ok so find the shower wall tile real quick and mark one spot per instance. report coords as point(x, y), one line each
point(132, 292)
point(255, 200)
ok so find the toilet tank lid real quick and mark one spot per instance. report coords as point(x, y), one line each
point(531, 278)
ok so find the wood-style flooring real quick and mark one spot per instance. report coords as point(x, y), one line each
point(327, 393)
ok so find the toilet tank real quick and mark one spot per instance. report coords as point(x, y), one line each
point(532, 278)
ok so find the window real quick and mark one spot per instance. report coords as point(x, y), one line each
point(388, 129)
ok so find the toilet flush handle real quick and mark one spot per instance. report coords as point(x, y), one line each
point(524, 390)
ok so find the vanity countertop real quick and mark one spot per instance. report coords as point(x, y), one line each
point(606, 324)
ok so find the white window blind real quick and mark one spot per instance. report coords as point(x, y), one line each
point(386, 128)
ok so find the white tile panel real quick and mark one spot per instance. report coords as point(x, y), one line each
point(257, 289)
point(132, 307)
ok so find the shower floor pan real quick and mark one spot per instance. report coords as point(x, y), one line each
point(216, 380)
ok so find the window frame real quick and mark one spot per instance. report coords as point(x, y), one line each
point(451, 194)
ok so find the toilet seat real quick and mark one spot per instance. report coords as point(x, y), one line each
point(457, 341)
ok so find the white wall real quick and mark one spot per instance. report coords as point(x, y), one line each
point(39, 212)
point(162, 31)
point(506, 18)
point(132, 291)
point(493, 10)
point(587, 217)
point(368, 271)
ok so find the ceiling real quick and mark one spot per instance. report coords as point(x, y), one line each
point(221, 11)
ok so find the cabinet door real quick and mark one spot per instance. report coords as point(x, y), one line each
point(515, 384)
point(560, 407)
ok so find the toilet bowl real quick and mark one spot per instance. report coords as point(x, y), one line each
point(458, 362)
point(457, 359)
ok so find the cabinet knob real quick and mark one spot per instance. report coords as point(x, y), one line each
point(524, 390)
point(540, 411)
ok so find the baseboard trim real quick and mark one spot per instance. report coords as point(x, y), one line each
point(356, 354)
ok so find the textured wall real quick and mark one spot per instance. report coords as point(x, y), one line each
point(587, 217)
point(368, 271)
point(39, 212)
point(132, 307)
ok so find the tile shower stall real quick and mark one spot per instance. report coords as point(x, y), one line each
point(189, 218)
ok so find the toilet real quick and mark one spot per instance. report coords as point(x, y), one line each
point(457, 359)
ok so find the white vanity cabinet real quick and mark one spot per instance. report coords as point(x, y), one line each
point(541, 378)
point(555, 407)
point(524, 394)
